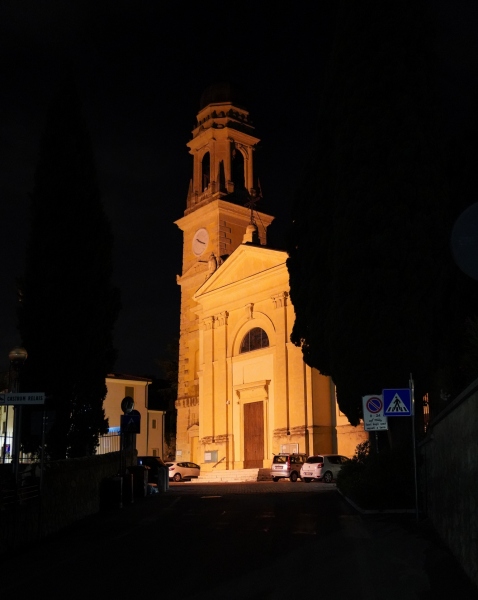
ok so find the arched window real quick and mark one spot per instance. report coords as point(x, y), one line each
point(205, 171)
point(237, 169)
point(254, 339)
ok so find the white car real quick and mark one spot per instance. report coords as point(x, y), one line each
point(183, 470)
point(322, 467)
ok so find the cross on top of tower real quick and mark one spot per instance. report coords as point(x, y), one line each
point(253, 197)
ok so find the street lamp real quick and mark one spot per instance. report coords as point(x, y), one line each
point(17, 358)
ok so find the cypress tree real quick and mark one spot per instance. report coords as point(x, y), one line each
point(375, 290)
point(68, 305)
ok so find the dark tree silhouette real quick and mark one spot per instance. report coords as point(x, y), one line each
point(376, 293)
point(167, 392)
point(68, 305)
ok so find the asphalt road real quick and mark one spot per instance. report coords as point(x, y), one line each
point(249, 541)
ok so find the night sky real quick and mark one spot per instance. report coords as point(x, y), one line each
point(140, 68)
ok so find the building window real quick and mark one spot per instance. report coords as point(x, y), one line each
point(254, 339)
point(153, 424)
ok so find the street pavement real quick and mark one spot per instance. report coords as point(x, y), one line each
point(374, 556)
point(326, 548)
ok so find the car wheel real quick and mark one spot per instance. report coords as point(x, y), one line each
point(293, 476)
point(307, 479)
point(327, 478)
point(177, 477)
point(276, 479)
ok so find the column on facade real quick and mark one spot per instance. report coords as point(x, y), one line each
point(281, 425)
point(220, 390)
point(206, 384)
point(309, 408)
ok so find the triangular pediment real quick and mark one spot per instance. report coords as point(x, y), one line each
point(246, 262)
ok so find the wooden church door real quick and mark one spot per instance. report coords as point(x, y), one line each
point(253, 435)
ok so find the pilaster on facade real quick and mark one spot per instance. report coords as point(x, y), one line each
point(208, 323)
point(280, 300)
point(220, 320)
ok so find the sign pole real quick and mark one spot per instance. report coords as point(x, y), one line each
point(5, 437)
point(412, 395)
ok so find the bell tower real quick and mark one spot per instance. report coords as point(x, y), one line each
point(222, 147)
point(219, 217)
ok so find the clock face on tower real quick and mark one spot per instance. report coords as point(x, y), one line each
point(200, 240)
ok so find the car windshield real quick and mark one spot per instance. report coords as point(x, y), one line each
point(315, 459)
point(170, 464)
point(280, 459)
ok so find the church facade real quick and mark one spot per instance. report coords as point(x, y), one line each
point(244, 391)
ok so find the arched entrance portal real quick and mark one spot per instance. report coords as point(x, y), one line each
point(252, 377)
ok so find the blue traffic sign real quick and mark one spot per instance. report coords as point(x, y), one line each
point(397, 403)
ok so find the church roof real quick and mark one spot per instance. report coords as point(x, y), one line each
point(246, 262)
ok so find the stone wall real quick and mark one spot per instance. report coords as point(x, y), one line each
point(449, 477)
point(72, 490)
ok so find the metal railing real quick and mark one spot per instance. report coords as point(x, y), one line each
point(6, 448)
point(219, 461)
point(109, 443)
point(21, 495)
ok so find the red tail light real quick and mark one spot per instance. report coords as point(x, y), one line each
point(288, 462)
point(320, 464)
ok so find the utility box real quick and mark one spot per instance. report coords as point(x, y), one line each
point(140, 480)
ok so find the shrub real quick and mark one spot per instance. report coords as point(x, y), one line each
point(380, 481)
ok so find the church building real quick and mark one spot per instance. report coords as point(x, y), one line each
point(244, 391)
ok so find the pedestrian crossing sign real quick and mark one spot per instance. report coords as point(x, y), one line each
point(397, 403)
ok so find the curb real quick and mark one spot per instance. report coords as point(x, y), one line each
point(391, 511)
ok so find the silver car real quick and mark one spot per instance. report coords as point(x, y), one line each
point(322, 467)
point(287, 466)
point(183, 470)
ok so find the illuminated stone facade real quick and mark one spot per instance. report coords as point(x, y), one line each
point(244, 391)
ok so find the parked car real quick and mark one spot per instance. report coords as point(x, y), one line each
point(154, 463)
point(287, 466)
point(322, 467)
point(183, 470)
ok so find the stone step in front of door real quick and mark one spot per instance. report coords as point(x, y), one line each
point(234, 475)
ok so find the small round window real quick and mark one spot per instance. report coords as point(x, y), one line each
point(254, 339)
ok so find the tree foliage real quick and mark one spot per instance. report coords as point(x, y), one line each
point(68, 305)
point(168, 392)
point(376, 293)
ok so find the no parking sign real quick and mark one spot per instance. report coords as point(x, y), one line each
point(373, 418)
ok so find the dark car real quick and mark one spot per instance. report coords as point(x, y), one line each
point(155, 463)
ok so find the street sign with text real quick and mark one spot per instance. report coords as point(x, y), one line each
point(373, 418)
point(21, 399)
